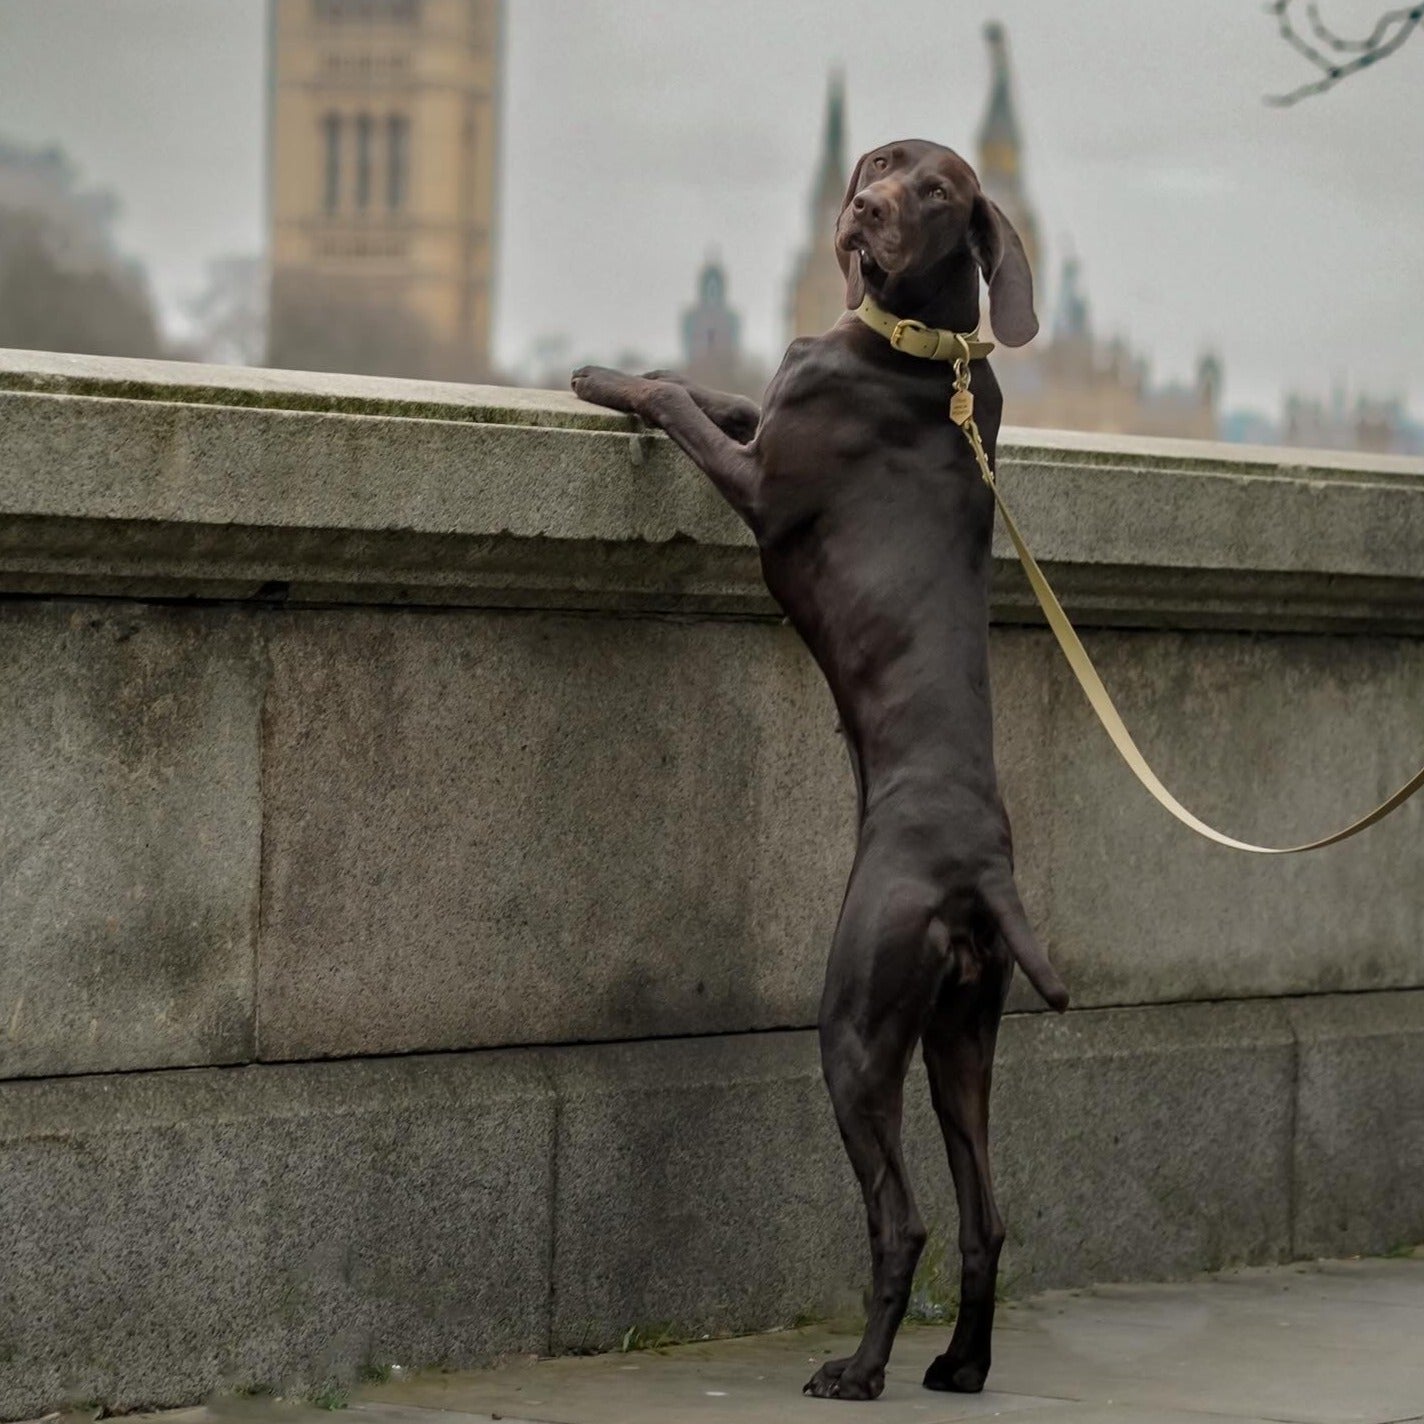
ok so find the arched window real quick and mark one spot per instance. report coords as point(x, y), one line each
point(331, 184)
point(364, 134)
point(397, 161)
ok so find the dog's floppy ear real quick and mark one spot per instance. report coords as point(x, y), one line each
point(850, 261)
point(1000, 255)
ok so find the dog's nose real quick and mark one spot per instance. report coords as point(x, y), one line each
point(872, 208)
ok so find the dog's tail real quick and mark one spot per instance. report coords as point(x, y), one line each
point(1001, 898)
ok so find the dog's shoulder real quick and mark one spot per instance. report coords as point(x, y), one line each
point(810, 364)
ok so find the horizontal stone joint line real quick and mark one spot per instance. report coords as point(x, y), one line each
point(633, 1041)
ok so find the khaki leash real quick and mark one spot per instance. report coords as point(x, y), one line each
point(961, 411)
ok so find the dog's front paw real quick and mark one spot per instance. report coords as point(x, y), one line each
point(612, 389)
point(840, 1379)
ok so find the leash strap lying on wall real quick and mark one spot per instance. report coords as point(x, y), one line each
point(962, 413)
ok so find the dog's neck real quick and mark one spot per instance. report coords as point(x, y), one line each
point(945, 295)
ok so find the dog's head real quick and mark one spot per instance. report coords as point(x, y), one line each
point(913, 206)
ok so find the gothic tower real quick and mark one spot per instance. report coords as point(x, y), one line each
point(711, 332)
point(817, 296)
point(1001, 149)
point(383, 138)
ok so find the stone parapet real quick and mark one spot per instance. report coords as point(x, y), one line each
point(156, 478)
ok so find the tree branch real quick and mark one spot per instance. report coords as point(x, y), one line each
point(1390, 31)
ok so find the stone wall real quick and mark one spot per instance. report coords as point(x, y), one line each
point(421, 838)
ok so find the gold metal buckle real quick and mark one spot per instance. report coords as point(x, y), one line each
point(901, 327)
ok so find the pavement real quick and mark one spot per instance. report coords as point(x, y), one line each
point(1312, 1343)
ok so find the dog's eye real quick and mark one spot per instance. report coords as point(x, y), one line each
point(938, 193)
point(880, 162)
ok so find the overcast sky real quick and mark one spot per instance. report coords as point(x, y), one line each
point(642, 134)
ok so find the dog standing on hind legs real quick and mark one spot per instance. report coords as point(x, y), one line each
point(874, 525)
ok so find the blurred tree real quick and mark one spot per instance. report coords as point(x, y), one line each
point(229, 315)
point(1334, 55)
point(63, 284)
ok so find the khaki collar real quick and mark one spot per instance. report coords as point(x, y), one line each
point(914, 338)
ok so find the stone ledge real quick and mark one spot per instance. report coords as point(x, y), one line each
point(67, 374)
point(158, 479)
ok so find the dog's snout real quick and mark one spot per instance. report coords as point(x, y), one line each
point(870, 207)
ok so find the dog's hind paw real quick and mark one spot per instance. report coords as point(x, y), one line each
point(956, 1375)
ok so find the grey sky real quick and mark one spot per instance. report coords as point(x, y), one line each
point(640, 134)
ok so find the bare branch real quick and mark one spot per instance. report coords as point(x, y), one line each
point(1371, 41)
point(1390, 32)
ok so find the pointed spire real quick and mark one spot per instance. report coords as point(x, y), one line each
point(999, 141)
point(1073, 322)
point(831, 177)
point(835, 121)
point(817, 295)
point(1001, 147)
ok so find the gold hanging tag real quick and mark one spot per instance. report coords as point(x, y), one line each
point(961, 407)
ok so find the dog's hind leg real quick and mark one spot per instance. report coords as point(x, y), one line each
point(959, 1056)
point(885, 962)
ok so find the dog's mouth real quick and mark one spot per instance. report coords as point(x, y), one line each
point(873, 264)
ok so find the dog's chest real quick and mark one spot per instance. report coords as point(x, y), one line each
point(881, 464)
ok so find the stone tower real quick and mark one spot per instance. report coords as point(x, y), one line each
point(817, 297)
point(1070, 379)
point(711, 332)
point(1001, 149)
point(383, 138)
point(712, 352)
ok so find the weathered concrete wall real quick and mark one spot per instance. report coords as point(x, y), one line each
point(166, 1233)
point(345, 718)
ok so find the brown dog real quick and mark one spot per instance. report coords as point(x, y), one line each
point(874, 528)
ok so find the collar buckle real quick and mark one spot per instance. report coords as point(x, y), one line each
point(904, 325)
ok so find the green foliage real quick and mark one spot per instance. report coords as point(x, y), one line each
point(647, 1337)
point(934, 1293)
point(329, 1396)
point(1404, 1251)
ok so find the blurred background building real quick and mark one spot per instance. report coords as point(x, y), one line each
point(383, 151)
point(1068, 378)
point(1065, 379)
point(712, 352)
point(384, 135)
